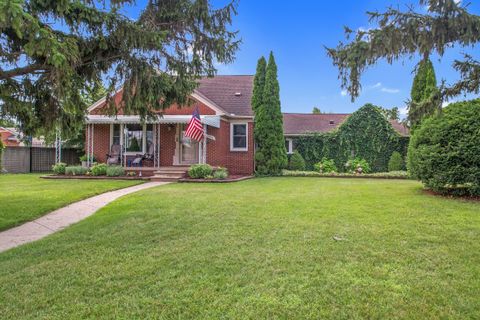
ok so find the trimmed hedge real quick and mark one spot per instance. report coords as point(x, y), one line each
point(200, 171)
point(59, 168)
point(444, 152)
point(365, 134)
point(115, 171)
point(76, 171)
point(99, 169)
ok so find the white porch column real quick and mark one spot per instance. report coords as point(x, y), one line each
point(204, 145)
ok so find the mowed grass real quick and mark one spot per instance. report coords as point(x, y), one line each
point(257, 249)
point(24, 197)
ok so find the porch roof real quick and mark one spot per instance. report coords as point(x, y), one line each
point(211, 120)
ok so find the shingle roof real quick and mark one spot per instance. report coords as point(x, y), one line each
point(231, 93)
point(301, 123)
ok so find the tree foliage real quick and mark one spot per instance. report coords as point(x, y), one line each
point(424, 94)
point(271, 155)
point(316, 110)
point(390, 114)
point(259, 84)
point(52, 51)
point(444, 152)
point(400, 34)
point(365, 134)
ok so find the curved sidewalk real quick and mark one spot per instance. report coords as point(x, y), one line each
point(63, 217)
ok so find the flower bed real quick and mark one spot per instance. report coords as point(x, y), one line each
point(377, 175)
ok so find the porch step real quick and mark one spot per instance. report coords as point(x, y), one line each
point(169, 173)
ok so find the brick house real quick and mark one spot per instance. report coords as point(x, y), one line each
point(227, 117)
point(10, 137)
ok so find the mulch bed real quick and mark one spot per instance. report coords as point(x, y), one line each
point(447, 196)
point(232, 178)
point(53, 176)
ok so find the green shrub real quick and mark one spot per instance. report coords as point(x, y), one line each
point(200, 171)
point(296, 161)
point(99, 169)
point(76, 171)
point(396, 162)
point(357, 165)
point(59, 168)
point(115, 171)
point(85, 158)
point(444, 152)
point(325, 166)
point(366, 134)
point(220, 173)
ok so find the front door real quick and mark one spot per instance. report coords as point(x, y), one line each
point(188, 148)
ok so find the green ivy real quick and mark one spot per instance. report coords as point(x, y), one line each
point(365, 134)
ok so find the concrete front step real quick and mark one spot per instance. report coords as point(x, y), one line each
point(169, 173)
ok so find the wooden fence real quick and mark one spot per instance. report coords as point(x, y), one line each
point(35, 159)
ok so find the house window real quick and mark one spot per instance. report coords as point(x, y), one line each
point(289, 145)
point(134, 137)
point(238, 136)
point(116, 134)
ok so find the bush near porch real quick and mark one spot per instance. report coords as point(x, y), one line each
point(365, 134)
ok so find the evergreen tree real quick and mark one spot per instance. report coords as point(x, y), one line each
point(259, 84)
point(271, 156)
point(405, 34)
point(424, 99)
point(51, 50)
point(316, 110)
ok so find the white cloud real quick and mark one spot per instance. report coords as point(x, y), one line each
point(376, 85)
point(390, 90)
point(403, 111)
point(343, 93)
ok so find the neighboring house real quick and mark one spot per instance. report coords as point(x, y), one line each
point(10, 137)
point(226, 113)
point(301, 124)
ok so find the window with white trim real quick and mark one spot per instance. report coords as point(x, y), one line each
point(238, 136)
point(289, 145)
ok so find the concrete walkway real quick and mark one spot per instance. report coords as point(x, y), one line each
point(63, 217)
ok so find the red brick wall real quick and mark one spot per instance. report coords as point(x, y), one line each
point(101, 143)
point(219, 154)
point(167, 144)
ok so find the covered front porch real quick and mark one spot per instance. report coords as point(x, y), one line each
point(145, 146)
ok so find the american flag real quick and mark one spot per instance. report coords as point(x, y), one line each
point(194, 127)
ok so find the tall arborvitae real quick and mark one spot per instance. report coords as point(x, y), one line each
point(259, 83)
point(271, 155)
point(424, 94)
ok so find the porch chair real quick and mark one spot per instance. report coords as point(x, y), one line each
point(137, 162)
point(114, 156)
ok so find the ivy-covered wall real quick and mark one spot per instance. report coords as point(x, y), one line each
point(366, 134)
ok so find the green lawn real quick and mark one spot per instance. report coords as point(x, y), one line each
point(257, 249)
point(24, 197)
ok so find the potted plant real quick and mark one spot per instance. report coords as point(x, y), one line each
point(84, 160)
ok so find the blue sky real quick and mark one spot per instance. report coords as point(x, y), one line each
point(298, 31)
